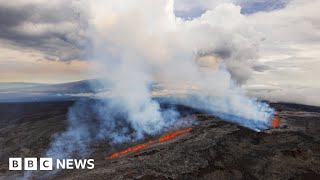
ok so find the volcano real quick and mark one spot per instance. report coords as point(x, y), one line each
point(210, 149)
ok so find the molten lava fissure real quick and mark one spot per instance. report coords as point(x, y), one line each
point(172, 135)
point(141, 146)
point(275, 122)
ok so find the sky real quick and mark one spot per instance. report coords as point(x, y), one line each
point(47, 41)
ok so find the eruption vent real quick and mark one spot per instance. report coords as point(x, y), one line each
point(141, 146)
point(275, 122)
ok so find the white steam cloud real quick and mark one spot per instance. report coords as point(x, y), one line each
point(144, 41)
point(135, 43)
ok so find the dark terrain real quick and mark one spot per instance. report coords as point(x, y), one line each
point(213, 149)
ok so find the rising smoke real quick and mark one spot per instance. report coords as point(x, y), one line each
point(139, 42)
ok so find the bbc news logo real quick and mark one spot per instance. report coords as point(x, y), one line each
point(46, 164)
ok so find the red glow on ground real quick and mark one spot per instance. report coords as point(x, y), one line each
point(141, 146)
point(172, 135)
point(275, 122)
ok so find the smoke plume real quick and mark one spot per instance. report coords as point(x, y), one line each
point(139, 42)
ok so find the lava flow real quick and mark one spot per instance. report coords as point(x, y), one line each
point(141, 146)
point(275, 122)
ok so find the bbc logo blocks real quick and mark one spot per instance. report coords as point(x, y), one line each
point(15, 164)
point(31, 164)
point(45, 164)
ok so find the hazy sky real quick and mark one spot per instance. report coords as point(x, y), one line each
point(45, 41)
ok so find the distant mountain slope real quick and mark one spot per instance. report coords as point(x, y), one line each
point(33, 92)
point(45, 92)
point(72, 87)
point(15, 85)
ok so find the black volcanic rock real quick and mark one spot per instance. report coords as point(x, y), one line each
point(213, 149)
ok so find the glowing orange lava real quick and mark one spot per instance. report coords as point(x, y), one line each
point(275, 122)
point(141, 146)
point(172, 135)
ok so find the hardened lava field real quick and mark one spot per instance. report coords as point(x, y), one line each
point(212, 149)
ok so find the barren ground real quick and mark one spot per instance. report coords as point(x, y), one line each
point(213, 149)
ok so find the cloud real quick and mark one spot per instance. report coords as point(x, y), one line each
point(138, 42)
point(308, 96)
point(282, 35)
point(288, 56)
point(191, 8)
point(291, 25)
point(25, 65)
point(53, 28)
point(254, 6)
point(292, 37)
point(172, 40)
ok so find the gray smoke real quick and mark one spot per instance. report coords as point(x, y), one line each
point(143, 41)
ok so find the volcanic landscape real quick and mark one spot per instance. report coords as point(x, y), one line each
point(211, 149)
